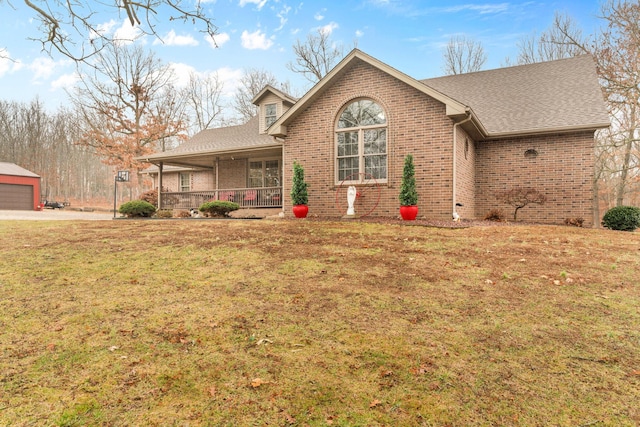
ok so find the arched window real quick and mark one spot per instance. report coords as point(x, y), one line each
point(361, 142)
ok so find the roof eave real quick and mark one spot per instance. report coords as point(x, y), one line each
point(159, 157)
point(548, 131)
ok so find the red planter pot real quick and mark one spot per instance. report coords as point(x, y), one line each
point(300, 211)
point(408, 213)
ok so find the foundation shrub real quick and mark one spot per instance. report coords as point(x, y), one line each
point(623, 218)
point(218, 208)
point(137, 208)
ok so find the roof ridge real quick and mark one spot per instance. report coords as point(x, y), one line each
point(509, 67)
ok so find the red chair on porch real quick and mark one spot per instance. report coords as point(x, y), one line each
point(250, 198)
point(227, 196)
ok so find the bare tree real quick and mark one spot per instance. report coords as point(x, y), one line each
point(617, 49)
point(519, 197)
point(251, 83)
point(43, 142)
point(129, 107)
point(316, 56)
point(74, 28)
point(202, 95)
point(563, 39)
point(463, 55)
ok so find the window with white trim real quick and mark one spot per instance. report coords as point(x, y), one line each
point(270, 114)
point(264, 173)
point(185, 182)
point(361, 142)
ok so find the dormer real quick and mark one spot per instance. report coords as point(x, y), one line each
point(272, 103)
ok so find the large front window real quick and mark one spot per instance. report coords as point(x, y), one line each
point(264, 173)
point(361, 142)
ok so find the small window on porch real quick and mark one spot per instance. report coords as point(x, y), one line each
point(270, 114)
point(264, 173)
point(185, 182)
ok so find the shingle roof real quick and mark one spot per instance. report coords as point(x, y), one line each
point(547, 96)
point(222, 139)
point(15, 170)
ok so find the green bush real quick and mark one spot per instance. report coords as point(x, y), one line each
point(219, 208)
point(299, 193)
point(624, 218)
point(408, 193)
point(137, 208)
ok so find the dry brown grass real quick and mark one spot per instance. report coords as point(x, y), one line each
point(242, 323)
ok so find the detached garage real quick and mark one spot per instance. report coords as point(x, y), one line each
point(19, 188)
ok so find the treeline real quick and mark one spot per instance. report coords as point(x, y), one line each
point(45, 144)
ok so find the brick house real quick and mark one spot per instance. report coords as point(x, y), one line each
point(470, 135)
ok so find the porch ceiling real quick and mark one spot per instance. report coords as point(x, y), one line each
point(208, 159)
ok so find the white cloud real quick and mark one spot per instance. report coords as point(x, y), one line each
point(181, 73)
point(283, 17)
point(127, 33)
point(42, 68)
point(359, 33)
point(5, 63)
point(220, 40)
point(481, 8)
point(172, 39)
point(65, 81)
point(103, 29)
point(318, 16)
point(230, 78)
point(328, 29)
point(259, 3)
point(255, 40)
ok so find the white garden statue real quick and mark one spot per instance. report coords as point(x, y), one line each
point(351, 198)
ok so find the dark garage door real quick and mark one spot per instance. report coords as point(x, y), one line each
point(16, 197)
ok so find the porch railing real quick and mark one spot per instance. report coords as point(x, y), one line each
point(264, 197)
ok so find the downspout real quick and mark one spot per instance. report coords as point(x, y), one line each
point(455, 159)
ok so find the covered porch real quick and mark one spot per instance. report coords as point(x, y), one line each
point(258, 197)
point(252, 178)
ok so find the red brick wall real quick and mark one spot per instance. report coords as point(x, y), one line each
point(562, 170)
point(233, 173)
point(466, 174)
point(417, 125)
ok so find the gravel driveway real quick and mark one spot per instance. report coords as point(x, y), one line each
point(55, 214)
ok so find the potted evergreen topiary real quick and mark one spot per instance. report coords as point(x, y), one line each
point(299, 195)
point(408, 193)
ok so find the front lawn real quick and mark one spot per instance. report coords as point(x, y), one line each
point(319, 323)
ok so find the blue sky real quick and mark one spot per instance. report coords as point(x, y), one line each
point(408, 35)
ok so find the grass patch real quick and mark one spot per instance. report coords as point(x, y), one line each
point(317, 323)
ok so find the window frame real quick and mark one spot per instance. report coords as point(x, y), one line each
point(263, 176)
point(181, 178)
point(362, 155)
point(270, 119)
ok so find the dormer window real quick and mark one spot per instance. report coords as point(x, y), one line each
point(270, 114)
